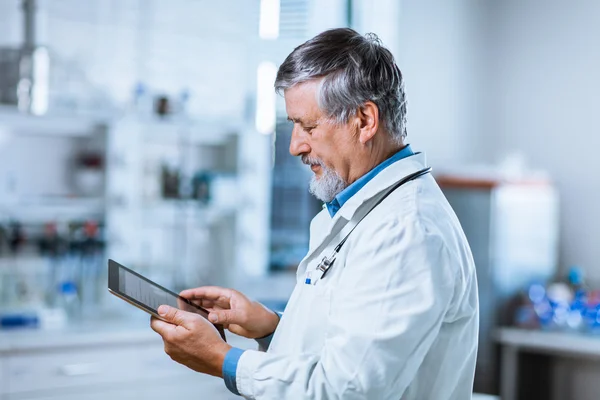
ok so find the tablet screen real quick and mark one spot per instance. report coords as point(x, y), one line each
point(146, 294)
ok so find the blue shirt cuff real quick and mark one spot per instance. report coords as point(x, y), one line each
point(230, 367)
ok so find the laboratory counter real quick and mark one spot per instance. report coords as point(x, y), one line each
point(102, 332)
point(109, 358)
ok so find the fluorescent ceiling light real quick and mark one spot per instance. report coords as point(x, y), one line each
point(41, 81)
point(268, 25)
point(265, 97)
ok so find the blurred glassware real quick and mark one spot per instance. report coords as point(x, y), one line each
point(184, 100)
point(162, 106)
point(69, 300)
point(201, 185)
point(567, 305)
point(170, 178)
point(89, 174)
point(10, 59)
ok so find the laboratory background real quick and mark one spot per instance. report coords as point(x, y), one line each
point(148, 131)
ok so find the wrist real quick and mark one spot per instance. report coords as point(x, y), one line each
point(273, 322)
point(267, 321)
point(219, 359)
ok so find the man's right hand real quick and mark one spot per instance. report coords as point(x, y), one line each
point(234, 311)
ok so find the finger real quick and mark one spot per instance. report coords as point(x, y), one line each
point(210, 304)
point(226, 317)
point(161, 327)
point(219, 295)
point(181, 303)
point(174, 315)
point(238, 330)
point(206, 304)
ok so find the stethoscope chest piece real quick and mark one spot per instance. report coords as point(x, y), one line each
point(312, 277)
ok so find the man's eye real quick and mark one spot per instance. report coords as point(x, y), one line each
point(308, 129)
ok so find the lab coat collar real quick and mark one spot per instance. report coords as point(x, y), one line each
point(329, 227)
point(383, 181)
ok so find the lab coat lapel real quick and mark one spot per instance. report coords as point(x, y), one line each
point(326, 228)
point(376, 187)
point(323, 230)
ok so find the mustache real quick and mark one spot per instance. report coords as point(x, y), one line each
point(312, 161)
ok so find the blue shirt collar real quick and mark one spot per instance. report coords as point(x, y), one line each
point(334, 205)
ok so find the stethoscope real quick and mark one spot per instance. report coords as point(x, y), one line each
point(327, 262)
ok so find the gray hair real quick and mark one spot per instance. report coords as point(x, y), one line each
point(355, 69)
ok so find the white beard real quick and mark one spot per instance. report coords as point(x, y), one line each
point(328, 185)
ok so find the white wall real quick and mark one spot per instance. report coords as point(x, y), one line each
point(485, 79)
point(543, 102)
point(440, 53)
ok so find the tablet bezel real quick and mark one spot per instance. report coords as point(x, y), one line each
point(113, 288)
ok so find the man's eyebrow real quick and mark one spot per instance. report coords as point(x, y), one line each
point(299, 121)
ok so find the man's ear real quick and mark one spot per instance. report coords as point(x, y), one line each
point(367, 121)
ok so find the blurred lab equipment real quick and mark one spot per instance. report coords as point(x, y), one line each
point(162, 106)
point(171, 181)
point(512, 227)
point(201, 186)
point(89, 174)
point(148, 104)
point(567, 305)
point(53, 247)
point(142, 102)
point(24, 72)
point(51, 269)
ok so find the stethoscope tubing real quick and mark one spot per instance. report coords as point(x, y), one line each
point(327, 262)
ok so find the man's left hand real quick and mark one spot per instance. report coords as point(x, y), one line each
point(191, 340)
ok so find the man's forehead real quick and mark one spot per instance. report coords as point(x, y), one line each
point(301, 103)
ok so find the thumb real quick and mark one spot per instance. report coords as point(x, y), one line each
point(172, 315)
point(224, 317)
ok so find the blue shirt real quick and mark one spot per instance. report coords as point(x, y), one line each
point(233, 356)
point(334, 205)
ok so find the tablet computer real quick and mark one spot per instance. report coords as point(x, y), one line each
point(147, 295)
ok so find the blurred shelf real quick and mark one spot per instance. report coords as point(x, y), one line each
point(177, 213)
point(44, 209)
point(183, 133)
point(18, 123)
point(105, 329)
point(164, 131)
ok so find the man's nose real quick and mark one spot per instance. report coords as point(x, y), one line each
point(298, 144)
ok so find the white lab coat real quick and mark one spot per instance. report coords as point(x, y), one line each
point(396, 317)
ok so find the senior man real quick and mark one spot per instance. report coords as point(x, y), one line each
point(385, 305)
